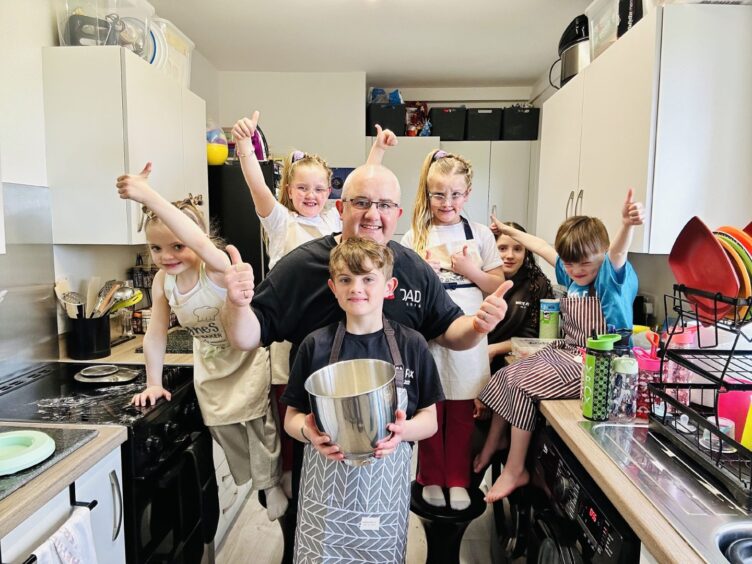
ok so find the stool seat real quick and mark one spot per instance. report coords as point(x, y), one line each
point(444, 526)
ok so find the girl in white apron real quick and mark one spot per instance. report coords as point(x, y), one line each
point(301, 214)
point(601, 286)
point(233, 400)
point(359, 513)
point(465, 257)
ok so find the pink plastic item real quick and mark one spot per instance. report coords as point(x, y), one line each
point(735, 406)
point(649, 372)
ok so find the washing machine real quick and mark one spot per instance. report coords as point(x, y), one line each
point(574, 523)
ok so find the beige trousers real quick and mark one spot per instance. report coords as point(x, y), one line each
point(252, 449)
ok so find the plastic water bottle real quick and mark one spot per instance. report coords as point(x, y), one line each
point(676, 374)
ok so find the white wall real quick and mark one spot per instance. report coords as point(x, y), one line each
point(324, 113)
point(205, 83)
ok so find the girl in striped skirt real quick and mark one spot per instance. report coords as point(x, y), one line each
point(601, 286)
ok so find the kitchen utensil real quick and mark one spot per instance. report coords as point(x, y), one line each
point(654, 341)
point(62, 287)
point(104, 296)
point(77, 301)
point(698, 261)
point(106, 374)
point(22, 449)
point(748, 229)
point(745, 291)
point(744, 255)
point(124, 297)
point(353, 401)
point(91, 293)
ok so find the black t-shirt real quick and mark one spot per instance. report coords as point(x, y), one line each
point(294, 299)
point(421, 375)
point(519, 320)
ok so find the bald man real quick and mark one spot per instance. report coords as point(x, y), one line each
point(294, 299)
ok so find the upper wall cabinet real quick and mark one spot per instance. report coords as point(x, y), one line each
point(109, 112)
point(662, 112)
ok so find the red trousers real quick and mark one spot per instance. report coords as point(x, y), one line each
point(284, 439)
point(446, 459)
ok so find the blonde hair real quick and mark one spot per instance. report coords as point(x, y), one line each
point(190, 207)
point(291, 164)
point(436, 163)
point(356, 252)
point(579, 237)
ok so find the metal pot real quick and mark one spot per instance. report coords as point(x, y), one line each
point(353, 401)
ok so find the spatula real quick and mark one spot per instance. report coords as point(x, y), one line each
point(91, 294)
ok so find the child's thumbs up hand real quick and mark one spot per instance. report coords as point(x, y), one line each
point(632, 213)
point(433, 263)
point(238, 279)
point(135, 186)
point(242, 133)
point(387, 446)
point(492, 310)
point(385, 138)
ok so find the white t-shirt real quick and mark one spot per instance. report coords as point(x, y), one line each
point(463, 373)
point(287, 229)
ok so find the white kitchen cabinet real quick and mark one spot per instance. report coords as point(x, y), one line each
point(2, 218)
point(665, 111)
point(103, 483)
point(406, 160)
point(509, 181)
point(108, 112)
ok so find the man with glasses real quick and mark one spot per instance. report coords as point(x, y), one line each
point(294, 299)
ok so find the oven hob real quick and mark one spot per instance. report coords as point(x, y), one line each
point(171, 504)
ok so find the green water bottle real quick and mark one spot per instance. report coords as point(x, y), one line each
point(596, 377)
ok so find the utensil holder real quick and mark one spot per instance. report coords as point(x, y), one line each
point(89, 338)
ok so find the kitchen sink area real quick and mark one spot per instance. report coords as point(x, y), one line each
point(699, 509)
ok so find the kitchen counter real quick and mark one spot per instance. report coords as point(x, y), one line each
point(126, 354)
point(22, 503)
point(656, 533)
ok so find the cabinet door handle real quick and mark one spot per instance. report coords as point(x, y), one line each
point(578, 202)
point(569, 202)
point(116, 494)
point(229, 505)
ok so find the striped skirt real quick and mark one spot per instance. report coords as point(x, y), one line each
point(551, 373)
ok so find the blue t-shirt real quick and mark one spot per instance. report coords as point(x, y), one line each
point(615, 289)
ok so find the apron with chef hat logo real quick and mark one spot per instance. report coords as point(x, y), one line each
point(356, 513)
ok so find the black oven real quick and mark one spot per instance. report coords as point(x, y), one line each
point(171, 503)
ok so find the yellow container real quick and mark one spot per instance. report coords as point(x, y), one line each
point(216, 153)
point(747, 433)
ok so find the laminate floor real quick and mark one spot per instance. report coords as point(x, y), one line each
point(253, 539)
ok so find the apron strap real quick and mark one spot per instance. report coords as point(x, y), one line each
point(466, 227)
point(399, 368)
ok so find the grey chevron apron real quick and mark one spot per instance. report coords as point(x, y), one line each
point(356, 513)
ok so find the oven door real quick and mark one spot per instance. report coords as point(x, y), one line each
point(553, 540)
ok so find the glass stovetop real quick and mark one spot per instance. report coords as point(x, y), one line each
point(51, 394)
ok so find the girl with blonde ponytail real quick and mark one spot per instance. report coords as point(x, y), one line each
point(464, 255)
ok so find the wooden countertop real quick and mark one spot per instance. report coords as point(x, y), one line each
point(126, 354)
point(22, 503)
point(655, 532)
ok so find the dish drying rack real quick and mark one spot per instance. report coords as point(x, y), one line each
point(722, 370)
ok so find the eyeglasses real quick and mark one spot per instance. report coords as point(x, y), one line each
point(441, 198)
point(316, 191)
point(364, 204)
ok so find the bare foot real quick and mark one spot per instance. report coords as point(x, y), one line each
point(506, 484)
point(483, 458)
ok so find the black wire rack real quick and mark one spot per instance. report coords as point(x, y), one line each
point(694, 428)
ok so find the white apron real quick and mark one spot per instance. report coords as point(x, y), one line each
point(355, 513)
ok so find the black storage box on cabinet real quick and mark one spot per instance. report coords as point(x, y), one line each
point(483, 124)
point(520, 123)
point(448, 123)
point(388, 116)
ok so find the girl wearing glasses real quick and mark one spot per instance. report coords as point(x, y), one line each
point(464, 255)
point(298, 216)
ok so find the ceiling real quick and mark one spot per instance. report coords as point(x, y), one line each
point(407, 43)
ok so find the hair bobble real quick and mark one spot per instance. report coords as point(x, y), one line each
point(440, 154)
point(297, 155)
